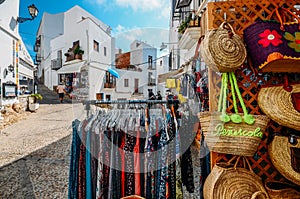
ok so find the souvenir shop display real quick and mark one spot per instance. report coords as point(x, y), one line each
point(228, 181)
point(280, 151)
point(140, 151)
point(273, 44)
point(232, 133)
point(282, 190)
point(192, 145)
point(281, 105)
point(222, 49)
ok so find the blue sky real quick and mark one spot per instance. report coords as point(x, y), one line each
point(146, 20)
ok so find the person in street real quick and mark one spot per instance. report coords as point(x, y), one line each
point(158, 96)
point(151, 95)
point(61, 90)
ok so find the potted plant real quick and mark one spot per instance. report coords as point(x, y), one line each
point(33, 104)
point(78, 52)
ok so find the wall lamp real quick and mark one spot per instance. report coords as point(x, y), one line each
point(164, 45)
point(10, 68)
point(33, 11)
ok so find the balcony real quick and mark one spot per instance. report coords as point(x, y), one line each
point(36, 48)
point(109, 85)
point(152, 82)
point(151, 67)
point(38, 58)
point(190, 34)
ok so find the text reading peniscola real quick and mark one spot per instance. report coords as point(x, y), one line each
point(221, 130)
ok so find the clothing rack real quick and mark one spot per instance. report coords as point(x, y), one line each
point(87, 103)
point(96, 102)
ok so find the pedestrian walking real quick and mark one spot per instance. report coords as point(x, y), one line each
point(151, 95)
point(61, 90)
point(158, 96)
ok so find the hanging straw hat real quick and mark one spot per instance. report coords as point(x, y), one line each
point(277, 104)
point(280, 155)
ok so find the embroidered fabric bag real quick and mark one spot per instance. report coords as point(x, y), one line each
point(274, 45)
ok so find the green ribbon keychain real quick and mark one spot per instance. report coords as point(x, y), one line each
point(235, 117)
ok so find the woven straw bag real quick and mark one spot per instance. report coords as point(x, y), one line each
point(277, 103)
point(237, 134)
point(281, 190)
point(222, 50)
point(280, 155)
point(227, 181)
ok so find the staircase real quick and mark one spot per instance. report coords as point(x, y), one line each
point(49, 96)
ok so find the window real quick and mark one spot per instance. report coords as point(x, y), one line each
point(150, 61)
point(104, 51)
point(100, 96)
point(110, 80)
point(160, 63)
point(59, 54)
point(136, 85)
point(76, 43)
point(151, 79)
point(108, 97)
point(96, 46)
point(125, 82)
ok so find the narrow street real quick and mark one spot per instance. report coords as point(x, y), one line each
point(34, 153)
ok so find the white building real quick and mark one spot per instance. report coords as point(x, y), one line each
point(15, 63)
point(188, 28)
point(139, 72)
point(57, 39)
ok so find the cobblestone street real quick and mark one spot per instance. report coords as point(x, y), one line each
point(34, 152)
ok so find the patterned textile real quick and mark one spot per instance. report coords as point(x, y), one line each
point(129, 165)
point(74, 161)
point(134, 157)
point(88, 165)
point(82, 174)
point(162, 164)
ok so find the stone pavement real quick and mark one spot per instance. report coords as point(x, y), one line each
point(34, 152)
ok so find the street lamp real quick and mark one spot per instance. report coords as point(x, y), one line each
point(33, 11)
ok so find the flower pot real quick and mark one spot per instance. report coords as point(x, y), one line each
point(78, 56)
point(33, 107)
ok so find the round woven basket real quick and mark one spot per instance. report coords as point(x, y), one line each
point(223, 50)
point(281, 190)
point(228, 182)
point(276, 103)
point(236, 145)
point(280, 155)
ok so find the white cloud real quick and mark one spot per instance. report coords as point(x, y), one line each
point(153, 36)
point(161, 7)
point(165, 12)
point(140, 4)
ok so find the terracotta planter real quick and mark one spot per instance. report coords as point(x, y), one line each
point(78, 56)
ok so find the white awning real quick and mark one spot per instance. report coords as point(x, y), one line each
point(71, 68)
